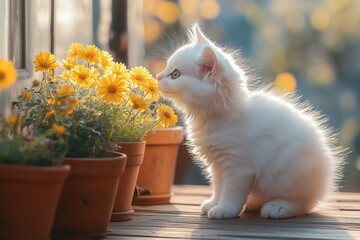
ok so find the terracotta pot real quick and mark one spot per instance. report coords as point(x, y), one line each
point(135, 154)
point(28, 200)
point(158, 169)
point(87, 200)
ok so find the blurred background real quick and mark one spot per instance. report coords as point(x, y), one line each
point(311, 46)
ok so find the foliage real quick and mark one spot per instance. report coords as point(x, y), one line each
point(93, 103)
point(34, 150)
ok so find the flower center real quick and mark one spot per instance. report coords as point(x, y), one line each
point(152, 89)
point(136, 105)
point(2, 76)
point(90, 55)
point(45, 64)
point(82, 76)
point(112, 88)
point(167, 115)
point(139, 78)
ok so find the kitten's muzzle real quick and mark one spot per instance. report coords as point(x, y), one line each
point(159, 77)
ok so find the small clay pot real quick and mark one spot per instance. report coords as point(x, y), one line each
point(135, 154)
point(88, 197)
point(158, 169)
point(28, 199)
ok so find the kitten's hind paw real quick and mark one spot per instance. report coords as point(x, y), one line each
point(281, 209)
point(207, 205)
point(219, 212)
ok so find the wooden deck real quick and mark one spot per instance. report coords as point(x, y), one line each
point(182, 219)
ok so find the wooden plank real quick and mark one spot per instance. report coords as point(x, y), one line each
point(181, 219)
point(214, 233)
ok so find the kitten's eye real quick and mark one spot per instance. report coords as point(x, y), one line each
point(175, 74)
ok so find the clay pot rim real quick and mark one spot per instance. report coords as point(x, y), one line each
point(134, 149)
point(177, 128)
point(131, 143)
point(97, 167)
point(165, 136)
point(33, 173)
point(121, 155)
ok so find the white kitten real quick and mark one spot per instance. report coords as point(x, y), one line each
point(262, 151)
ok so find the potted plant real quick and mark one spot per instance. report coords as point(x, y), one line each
point(88, 196)
point(31, 175)
point(131, 96)
point(158, 169)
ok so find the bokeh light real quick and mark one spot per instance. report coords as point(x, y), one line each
point(209, 9)
point(320, 20)
point(168, 12)
point(348, 132)
point(152, 30)
point(285, 82)
point(347, 101)
point(357, 163)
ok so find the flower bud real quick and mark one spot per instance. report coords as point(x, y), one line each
point(36, 83)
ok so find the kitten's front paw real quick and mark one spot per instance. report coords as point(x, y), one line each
point(219, 212)
point(207, 205)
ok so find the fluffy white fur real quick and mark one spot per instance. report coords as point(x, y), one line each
point(263, 151)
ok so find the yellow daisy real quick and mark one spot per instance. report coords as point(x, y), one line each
point(69, 63)
point(50, 114)
point(112, 88)
point(14, 120)
point(139, 76)
point(67, 112)
point(138, 102)
point(166, 116)
point(152, 90)
point(59, 130)
point(45, 61)
point(7, 74)
point(74, 50)
point(73, 102)
point(91, 54)
point(65, 75)
point(119, 69)
point(83, 75)
point(65, 90)
point(26, 95)
point(105, 59)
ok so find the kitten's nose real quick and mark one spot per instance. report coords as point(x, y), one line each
point(158, 77)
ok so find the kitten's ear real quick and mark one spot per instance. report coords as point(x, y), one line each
point(208, 61)
point(199, 36)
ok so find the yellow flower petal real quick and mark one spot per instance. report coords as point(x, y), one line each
point(14, 120)
point(138, 102)
point(50, 114)
point(26, 96)
point(7, 74)
point(84, 76)
point(65, 90)
point(59, 130)
point(119, 69)
point(166, 116)
point(105, 59)
point(65, 75)
point(73, 102)
point(91, 54)
point(112, 88)
point(151, 89)
point(45, 61)
point(74, 50)
point(139, 76)
point(69, 63)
